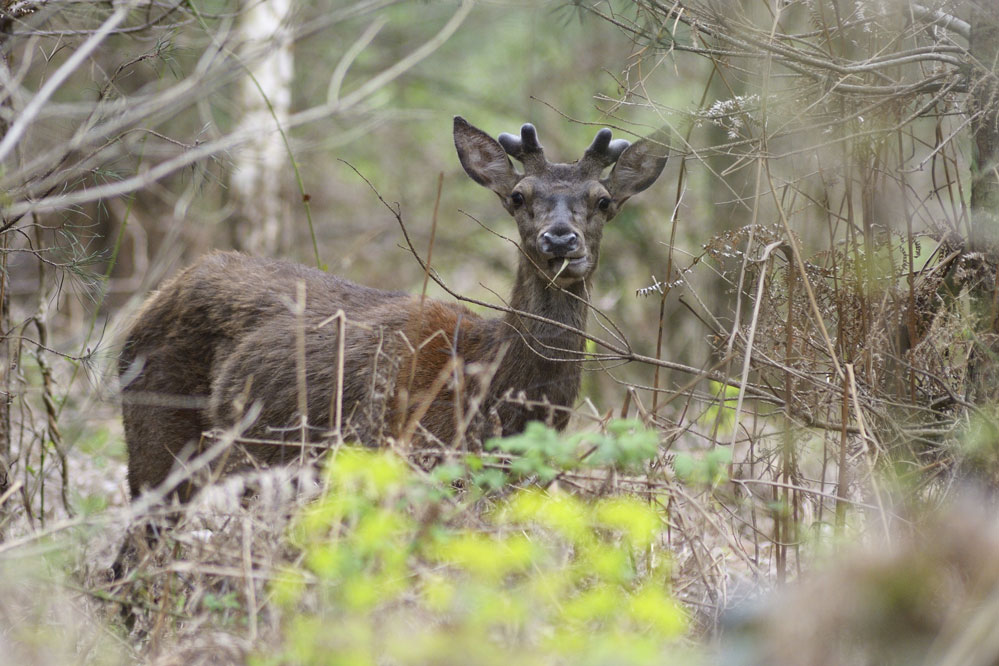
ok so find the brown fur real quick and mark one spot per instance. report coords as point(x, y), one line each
point(218, 341)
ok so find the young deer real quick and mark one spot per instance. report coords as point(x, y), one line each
point(220, 344)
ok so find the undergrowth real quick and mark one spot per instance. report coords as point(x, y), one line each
point(535, 550)
point(389, 569)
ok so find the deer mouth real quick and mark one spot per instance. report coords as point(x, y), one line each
point(568, 266)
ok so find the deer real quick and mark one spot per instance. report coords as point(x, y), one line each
point(283, 352)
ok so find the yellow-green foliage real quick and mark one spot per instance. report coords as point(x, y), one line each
point(389, 574)
point(543, 453)
point(710, 468)
point(722, 410)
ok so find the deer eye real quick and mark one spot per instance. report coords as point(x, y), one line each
point(517, 199)
point(603, 203)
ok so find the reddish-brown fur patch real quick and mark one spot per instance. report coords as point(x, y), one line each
point(443, 338)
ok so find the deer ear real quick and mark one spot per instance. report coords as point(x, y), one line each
point(483, 158)
point(638, 166)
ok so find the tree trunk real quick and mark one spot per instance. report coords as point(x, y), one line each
point(984, 48)
point(6, 367)
point(260, 226)
point(7, 364)
point(982, 462)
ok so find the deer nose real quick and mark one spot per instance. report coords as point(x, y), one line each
point(558, 241)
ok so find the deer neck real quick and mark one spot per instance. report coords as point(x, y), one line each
point(565, 307)
point(542, 359)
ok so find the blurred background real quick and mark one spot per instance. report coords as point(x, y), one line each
point(809, 287)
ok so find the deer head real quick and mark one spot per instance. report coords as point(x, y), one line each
point(560, 209)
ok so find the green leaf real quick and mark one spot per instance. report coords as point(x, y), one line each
point(628, 446)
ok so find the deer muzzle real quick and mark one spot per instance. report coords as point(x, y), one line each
point(558, 242)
